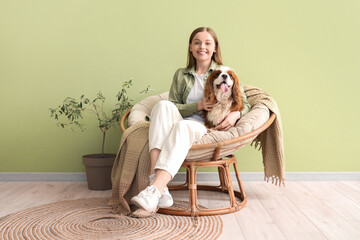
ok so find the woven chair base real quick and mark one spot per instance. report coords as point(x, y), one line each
point(225, 186)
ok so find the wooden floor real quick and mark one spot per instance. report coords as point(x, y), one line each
point(302, 210)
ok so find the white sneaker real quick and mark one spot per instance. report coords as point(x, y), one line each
point(147, 199)
point(166, 199)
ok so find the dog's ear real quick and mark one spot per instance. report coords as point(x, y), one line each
point(209, 92)
point(237, 104)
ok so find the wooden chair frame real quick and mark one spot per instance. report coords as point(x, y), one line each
point(223, 166)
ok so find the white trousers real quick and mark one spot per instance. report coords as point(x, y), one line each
point(173, 135)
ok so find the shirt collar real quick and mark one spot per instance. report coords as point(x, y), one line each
point(212, 67)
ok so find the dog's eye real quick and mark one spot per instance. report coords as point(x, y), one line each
point(230, 75)
point(217, 74)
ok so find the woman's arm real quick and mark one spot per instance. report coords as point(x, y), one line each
point(176, 94)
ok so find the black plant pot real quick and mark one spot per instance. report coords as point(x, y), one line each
point(98, 170)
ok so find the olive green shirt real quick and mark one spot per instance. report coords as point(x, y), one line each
point(183, 81)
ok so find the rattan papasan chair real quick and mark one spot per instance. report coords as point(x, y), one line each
point(215, 149)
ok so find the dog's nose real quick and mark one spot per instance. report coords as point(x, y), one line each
point(224, 76)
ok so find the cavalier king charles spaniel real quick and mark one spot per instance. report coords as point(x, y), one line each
point(222, 88)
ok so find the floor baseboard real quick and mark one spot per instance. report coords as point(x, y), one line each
point(42, 177)
point(180, 177)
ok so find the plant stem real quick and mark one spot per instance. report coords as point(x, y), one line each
point(96, 111)
point(103, 144)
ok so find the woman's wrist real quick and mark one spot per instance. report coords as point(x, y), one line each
point(200, 106)
point(240, 115)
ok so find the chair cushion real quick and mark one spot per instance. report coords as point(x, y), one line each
point(257, 116)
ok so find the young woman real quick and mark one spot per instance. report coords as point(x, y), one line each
point(178, 123)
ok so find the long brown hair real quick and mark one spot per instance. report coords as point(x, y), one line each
point(191, 61)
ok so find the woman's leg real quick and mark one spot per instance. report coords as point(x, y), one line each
point(173, 153)
point(170, 138)
point(162, 178)
point(175, 149)
point(154, 154)
point(163, 117)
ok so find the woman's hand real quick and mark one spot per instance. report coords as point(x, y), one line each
point(204, 105)
point(228, 122)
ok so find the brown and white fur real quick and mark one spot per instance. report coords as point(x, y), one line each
point(222, 88)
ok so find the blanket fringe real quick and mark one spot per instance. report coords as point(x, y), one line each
point(275, 180)
point(257, 144)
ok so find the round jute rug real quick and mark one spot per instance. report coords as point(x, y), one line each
point(92, 218)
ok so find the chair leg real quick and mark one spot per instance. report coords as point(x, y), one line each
point(222, 179)
point(236, 169)
point(187, 176)
point(192, 189)
point(229, 185)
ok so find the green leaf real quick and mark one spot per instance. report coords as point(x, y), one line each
point(71, 109)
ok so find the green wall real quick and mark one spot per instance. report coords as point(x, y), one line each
point(306, 54)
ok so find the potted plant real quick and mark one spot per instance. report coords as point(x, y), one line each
point(69, 114)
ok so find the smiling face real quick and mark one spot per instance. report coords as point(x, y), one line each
point(224, 79)
point(222, 88)
point(202, 47)
point(222, 85)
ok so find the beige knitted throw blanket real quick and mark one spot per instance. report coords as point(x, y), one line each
point(271, 140)
point(131, 167)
